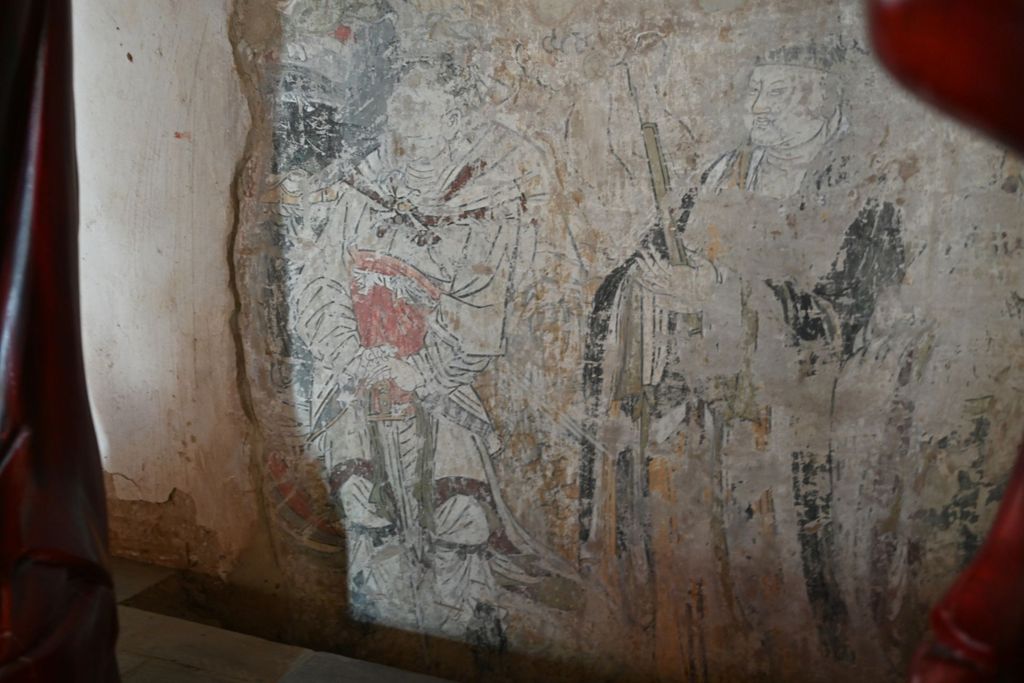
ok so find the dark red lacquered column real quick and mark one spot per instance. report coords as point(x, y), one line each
point(967, 58)
point(964, 56)
point(57, 614)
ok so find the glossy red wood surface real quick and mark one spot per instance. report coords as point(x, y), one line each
point(964, 56)
point(57, 613)
point(967, 58)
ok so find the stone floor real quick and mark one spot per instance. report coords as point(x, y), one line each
point(154, 648)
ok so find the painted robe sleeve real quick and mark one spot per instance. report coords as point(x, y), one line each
point(469, 324)
point(498, 249)
point(323, 318)
point(840, 306)
point(474, 309)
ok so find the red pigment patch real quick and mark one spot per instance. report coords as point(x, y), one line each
point(182, 135)
point(464, 176)
point(384, 319)
point(343, 33)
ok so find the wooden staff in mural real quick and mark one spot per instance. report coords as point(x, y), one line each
point(644, 350)
point(676, 255)
point(57, 613)
point(965, 56)
point(642, 345)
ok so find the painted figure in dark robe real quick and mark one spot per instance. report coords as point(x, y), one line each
point(705, 379)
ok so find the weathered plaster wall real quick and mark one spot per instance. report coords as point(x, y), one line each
point(491, 399)
point(497, 434)
point(161, 126)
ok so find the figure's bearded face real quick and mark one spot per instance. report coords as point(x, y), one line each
point(787, 106)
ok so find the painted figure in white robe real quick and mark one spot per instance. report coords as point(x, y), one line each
point(410, 262)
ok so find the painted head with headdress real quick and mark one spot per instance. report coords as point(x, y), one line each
point(793, 99)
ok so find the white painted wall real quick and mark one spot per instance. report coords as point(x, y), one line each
point(161, 125)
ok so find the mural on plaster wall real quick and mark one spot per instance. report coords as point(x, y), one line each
point(412, 245)
point(744, 322)
point(581, 339)
point(422, 246)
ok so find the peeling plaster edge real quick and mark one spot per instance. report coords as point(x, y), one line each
point(251, 95)
point(248, 81)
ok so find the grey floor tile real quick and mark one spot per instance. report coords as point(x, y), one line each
point(131, 578)
point(156, 671)
point(222, 655)
point(127, 662)
point(320, 667)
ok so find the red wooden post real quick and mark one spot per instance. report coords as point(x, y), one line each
point(57, 608)
point(964, 56)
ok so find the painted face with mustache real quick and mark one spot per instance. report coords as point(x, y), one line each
point(787, 106)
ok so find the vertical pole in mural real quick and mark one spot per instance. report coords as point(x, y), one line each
point(965, 56)
point(617, 525)
point(660, 184)
point(57, 618)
